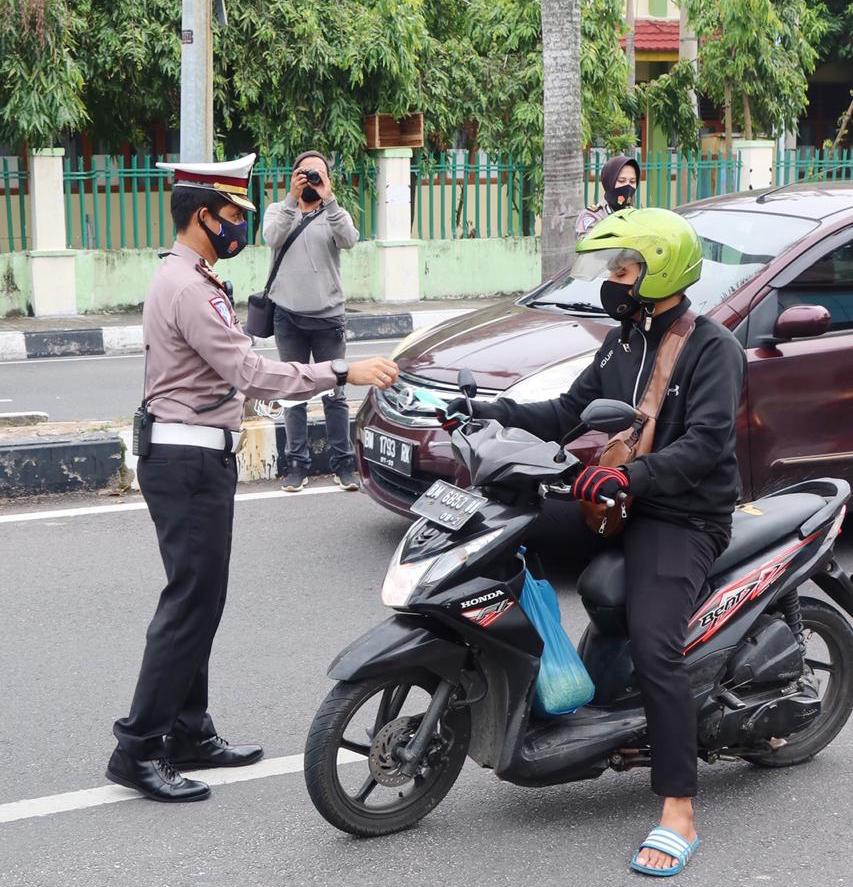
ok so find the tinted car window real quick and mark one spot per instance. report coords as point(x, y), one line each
point(735, 247)
point(829, 282)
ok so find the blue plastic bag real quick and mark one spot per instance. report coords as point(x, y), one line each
point(563, 684)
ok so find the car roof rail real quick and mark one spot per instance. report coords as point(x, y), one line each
point(762, 198)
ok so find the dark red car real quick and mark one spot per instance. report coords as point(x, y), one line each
point(778, 272)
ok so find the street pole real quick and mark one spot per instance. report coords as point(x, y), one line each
point(196, 82)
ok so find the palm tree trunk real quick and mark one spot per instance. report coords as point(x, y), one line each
point(563, 163)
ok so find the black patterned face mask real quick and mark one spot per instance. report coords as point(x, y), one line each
point(619, 198)
point(230, 239)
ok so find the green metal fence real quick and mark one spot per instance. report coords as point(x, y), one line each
point(669, 179)
point(118, 205)
point(15, 207)
point(455, 196)
point(813, 165)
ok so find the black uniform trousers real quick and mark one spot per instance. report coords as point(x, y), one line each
point(190, 496)
point(666, 565)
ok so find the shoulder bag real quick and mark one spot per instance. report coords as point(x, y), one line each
point(259, 322)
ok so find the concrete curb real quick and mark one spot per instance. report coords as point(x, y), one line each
point(101, 460)
point(34, 466)
point(128, 339)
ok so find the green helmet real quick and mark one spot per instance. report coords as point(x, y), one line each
point(667, 243)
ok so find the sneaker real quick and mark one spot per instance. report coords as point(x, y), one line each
point(295, 479)
point(347, 480)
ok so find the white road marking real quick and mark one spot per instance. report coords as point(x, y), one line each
point(22, 517)
point(5, 400)
point(112, 794)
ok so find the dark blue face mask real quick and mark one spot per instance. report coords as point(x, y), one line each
point(230, 239)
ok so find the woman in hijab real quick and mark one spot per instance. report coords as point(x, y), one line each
point(619, 178)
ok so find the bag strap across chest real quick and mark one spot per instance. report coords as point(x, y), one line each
point(651, 403)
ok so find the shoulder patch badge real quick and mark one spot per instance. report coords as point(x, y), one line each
point(223, 309)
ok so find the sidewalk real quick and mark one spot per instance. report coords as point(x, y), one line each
point(121, 333)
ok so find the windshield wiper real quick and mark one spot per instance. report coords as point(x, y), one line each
point(580, 307)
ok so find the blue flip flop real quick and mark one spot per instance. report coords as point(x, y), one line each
point(672, 844)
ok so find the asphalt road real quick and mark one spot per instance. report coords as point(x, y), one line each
point(76, 595)
point(105, 387)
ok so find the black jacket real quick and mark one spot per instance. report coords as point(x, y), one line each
point(692, 475)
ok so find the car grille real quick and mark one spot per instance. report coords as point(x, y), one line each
point(406, 488)
point(397, 402)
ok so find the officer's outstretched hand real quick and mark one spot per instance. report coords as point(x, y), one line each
point(595, 483)
point(377, 371)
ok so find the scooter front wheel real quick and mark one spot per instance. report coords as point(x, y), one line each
point(351, 769)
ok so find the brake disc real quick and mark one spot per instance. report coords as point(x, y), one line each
point(384, 766)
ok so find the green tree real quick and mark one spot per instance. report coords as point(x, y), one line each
point(755, 57)
point(41, 82)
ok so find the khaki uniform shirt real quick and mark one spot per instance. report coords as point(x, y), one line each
point(589, 217)
point(198, 351)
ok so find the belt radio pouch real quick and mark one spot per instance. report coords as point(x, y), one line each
point(143, 422)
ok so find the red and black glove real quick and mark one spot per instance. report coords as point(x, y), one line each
point(455, 415)
point(595, 483)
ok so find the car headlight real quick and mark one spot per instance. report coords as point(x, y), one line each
point(550, 382)
point(402, 580)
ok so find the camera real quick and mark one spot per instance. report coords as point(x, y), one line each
point(313, 176)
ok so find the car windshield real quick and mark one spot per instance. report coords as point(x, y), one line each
point(735, 245)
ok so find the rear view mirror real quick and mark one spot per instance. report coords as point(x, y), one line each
point(609, 416)
point(466, 382)
point(801, 322)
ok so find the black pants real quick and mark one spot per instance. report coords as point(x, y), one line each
point(190, 496)
point(666, 565)
point(301, 345)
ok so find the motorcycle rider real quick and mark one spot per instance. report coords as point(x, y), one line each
point(684, 491)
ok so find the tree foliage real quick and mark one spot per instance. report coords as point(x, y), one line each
point(759, 53)
point(289, 75)
point(41, 82)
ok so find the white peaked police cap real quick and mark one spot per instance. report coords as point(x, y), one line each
point(229, 179)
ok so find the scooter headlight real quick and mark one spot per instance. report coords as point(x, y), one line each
point(402, 580)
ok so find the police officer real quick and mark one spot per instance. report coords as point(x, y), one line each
point(619, 178)
point(200, 366)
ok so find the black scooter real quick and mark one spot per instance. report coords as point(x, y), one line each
point(452, 672)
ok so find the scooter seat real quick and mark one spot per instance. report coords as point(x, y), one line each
point(755, 527)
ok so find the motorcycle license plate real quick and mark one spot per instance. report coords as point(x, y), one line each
point(385, 449)
point(447, 505)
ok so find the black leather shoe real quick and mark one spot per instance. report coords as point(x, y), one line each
point(212, 751)
point(157, 780)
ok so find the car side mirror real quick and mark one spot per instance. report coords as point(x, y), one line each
point(610, 416)
point(466, 383)
point(801, 322)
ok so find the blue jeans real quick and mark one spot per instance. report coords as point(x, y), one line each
point(296, 344)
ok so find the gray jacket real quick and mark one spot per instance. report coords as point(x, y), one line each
point(309, 279)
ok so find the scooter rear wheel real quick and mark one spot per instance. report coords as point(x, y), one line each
point(829, 654)
point(351, 772)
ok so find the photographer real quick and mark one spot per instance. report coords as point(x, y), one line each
point(309, 313)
